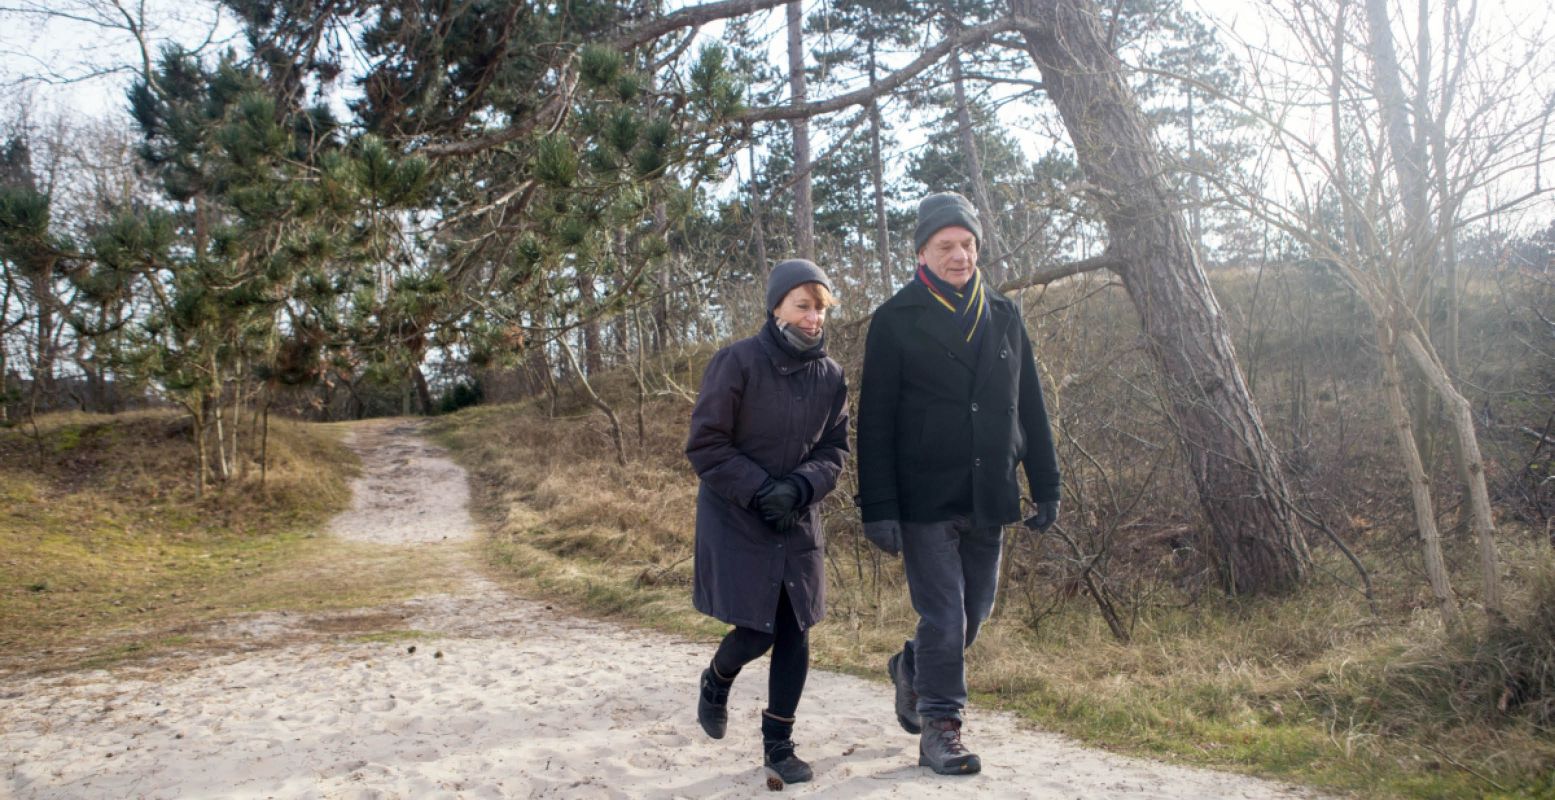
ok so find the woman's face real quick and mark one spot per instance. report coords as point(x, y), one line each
point(802, 309)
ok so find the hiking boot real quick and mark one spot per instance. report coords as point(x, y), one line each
point(777, 747)
point(906, 698)
point(713, 704)
point(940, 749)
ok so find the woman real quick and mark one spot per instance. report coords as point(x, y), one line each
point(768, 437)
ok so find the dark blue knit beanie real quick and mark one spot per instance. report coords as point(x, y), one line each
point(788, 274)
point(942, 210)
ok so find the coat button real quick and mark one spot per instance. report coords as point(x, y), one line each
point(977, 462)
point(974, 406)
point(1004, 353)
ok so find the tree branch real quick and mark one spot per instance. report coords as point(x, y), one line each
point(1059, 271)
point(889, 84)
point(692, 17)
point(1038, 278)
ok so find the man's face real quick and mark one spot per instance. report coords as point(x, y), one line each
point(951, 254)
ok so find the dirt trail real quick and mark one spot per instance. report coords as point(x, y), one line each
point(482, 694)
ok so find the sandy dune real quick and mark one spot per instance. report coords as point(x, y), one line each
point(501, 697)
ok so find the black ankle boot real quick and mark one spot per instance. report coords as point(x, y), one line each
point(713, 703)
point(778, 750)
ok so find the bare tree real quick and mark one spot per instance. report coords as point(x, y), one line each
point(1400, 204)
point(106, 38)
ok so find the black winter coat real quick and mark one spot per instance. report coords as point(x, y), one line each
point(763, 412)
point(941, 429)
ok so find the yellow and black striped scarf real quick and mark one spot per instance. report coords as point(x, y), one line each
point(969, 304)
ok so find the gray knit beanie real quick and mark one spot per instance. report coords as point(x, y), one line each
point(788, 274)
point(942, 210)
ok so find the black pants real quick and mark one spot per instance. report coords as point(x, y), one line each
point(790, 648)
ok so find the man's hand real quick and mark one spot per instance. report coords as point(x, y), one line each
point(885, 534)
point(776, 498)
point(1047, 514)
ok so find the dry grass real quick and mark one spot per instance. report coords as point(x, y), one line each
point(107, 554)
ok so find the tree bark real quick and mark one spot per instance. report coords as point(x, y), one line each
point(661, 306)
point(593, 360)
point(196, 408)
point(43, 363)
point(423, 391)
point(1419, 482)
point(804, 207)
point(1472, 464)
point(994, 264)
point(877, 178)
point(264, 448)
point(758, 220)
point(1255, 541)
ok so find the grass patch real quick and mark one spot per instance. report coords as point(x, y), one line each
point(392, 637)
point(108, 555)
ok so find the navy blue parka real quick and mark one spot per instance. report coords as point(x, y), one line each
point(764, 411)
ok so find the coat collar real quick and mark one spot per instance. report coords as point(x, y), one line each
point(940, 326)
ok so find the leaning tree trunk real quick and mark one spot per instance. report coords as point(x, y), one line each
point(1471, 463)
point(1414, 468)
point(1235, 469)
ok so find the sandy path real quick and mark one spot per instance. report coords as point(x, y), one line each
point(502, 697)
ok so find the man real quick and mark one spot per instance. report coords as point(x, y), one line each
point(949, 404)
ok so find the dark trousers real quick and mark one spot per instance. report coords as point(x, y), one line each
point(790, 666)
point(952, 575)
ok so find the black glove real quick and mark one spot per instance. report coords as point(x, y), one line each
point(775, 498)
point(789, 520)
point(885, 534)
point(1047, 514)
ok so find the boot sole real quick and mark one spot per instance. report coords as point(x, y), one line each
point(965, 765)
point(775, 777)
point(907, 724)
